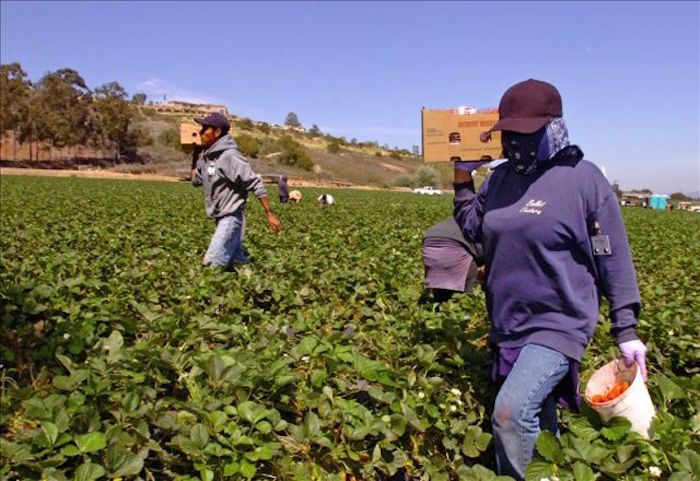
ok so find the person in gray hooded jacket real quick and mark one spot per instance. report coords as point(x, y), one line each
point(227, 178)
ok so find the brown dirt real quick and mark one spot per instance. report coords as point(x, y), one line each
point(91, 173)
point(395, 168)
point(107, 174)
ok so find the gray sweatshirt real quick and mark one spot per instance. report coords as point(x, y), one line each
point(227, 178)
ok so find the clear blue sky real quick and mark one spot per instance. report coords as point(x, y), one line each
point(628, 72)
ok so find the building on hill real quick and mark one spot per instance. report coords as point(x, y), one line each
point(296, 128)
point(182, 107)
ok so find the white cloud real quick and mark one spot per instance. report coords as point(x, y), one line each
point(156, 87)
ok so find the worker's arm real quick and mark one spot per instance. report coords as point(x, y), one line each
point(196, 150)
point(237, 169)
point(468, 205)
point(271, 217)
point(196, 175)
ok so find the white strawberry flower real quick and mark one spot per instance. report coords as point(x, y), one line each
point(456, 391)
point(453, 408)
point(421, 395)
point(655, 472)
point(66, 336)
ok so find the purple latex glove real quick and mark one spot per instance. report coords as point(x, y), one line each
point(635, 351)
point(469, 166)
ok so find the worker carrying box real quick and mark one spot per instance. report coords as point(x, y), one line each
point(456, 135)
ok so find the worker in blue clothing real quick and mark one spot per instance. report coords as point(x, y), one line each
point(554, 242)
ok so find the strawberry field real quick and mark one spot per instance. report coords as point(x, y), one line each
point(123, 359)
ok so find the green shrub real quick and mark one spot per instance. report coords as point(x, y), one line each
point(149, 113)
point(315, 131)
point(406, 181)
point(426, 175)
point(378, 153)
point(395, 155)
point(333, 148)
point(264, 128)
point(248, 145)
point(170, 138)
point(245, 124)
point(144, 138)
point(293, 154)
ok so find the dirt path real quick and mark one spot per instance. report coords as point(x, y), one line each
point(395, 168)
point(90, 173)
point(107, 174)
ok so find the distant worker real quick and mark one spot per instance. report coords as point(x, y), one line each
point(295, 196)
point(451, 262)
point(227, 178)
point(283, 190)
point(325, 199)
point(554, 243)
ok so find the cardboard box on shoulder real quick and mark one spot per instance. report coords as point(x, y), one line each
point(189, 135)
point(454, 134)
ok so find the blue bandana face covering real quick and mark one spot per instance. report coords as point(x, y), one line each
point(527, 152)
point(521, 150)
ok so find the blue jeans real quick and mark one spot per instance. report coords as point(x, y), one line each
point(525, 405)
point(226, 245)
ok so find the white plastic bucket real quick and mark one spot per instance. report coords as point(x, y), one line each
point(634, 404)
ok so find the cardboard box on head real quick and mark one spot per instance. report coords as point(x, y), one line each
point(456, 134)
point(189, 135)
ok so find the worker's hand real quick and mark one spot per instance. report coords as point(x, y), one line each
point(463, 170)
point(274, 222)
point(471, 165)
point(635, 351)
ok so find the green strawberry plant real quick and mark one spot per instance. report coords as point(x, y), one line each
point(122, 358)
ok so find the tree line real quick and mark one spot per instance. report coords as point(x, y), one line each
point(62, 111)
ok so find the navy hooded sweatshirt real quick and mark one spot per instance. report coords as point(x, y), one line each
point(543, 281)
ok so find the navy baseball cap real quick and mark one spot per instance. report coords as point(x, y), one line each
point(215, 120)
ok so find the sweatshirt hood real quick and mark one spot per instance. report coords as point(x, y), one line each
point(225, 142)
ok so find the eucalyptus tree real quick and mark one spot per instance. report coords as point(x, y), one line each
point(15, 92)
point(116, 113)
point(64, 110)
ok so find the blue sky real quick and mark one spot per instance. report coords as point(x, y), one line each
point(628, 72)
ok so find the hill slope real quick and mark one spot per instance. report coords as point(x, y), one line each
point(343, 162)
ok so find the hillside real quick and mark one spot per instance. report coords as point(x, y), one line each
point(357, 163)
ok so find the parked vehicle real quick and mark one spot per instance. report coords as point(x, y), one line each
point(428, 190)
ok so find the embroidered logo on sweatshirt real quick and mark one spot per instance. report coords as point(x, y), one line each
point(533, 207)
